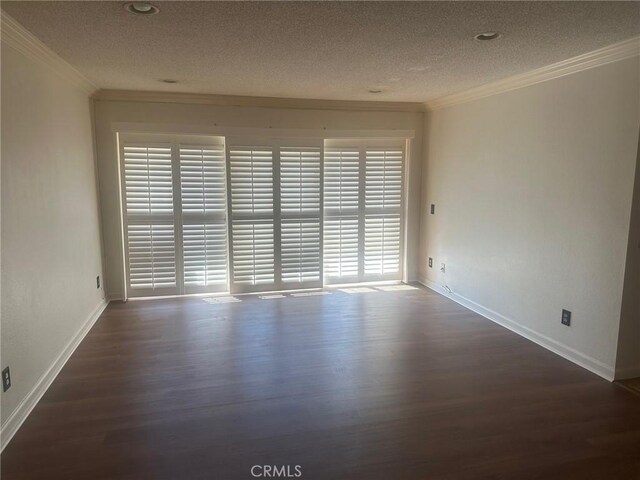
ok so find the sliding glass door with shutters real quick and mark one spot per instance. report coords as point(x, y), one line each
point(275, 197)
point(252, 220)
point(174, 217)
point(204, 215)
point(363, 210)
point(147, 185)
point(301, 220)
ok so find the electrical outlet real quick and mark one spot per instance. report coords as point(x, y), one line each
point(566, 317)
point(6, 379)
point(442, 267)
point(430, 262)
point(98, 281)
point(433, 209)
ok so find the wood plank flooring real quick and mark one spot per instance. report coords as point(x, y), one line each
point(386, 385)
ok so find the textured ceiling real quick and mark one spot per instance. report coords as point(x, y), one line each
point(413, 51)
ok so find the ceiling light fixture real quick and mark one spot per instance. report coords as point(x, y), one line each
point(168, 80)
point(141, 8)
point(484, 36)
point(375, 90)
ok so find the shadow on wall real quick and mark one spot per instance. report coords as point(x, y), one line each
point(628, 354)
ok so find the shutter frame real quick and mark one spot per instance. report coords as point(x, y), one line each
point(363, 240)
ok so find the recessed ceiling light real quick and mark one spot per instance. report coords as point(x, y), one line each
point(141, 8)
point(375, 90)
point(168, 80)
point(487, 36)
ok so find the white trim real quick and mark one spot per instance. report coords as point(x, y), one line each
point(628, 372)
point(408, 166)
point(248, 101)
point(263, 133)
point(618, 51)
point(22, 411)
point(115, 297)
point(18, 37)
point(579, 358)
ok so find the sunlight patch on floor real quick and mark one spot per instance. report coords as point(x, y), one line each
point(309, 294)
point(214, 300)
point(395, 288)
point(358, 290)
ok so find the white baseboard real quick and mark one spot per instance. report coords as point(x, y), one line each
point(627, 372)
point(605, 371)
point(22, 411)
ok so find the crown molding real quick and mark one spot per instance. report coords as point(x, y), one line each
point(612, 53)
point(19, 38)
point(246, 101)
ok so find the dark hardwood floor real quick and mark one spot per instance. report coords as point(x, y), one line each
point(388, 385)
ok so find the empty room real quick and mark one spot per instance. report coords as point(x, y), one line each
point(320, 240)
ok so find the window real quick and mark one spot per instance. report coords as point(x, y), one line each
point(252, 217)
point(204, 223)
point(341, 214)
point(148, 187)
point(205, 214)
point(300, 216)
point(362, 210)
point(275, 214)
point(383, 212)
point(175, 214)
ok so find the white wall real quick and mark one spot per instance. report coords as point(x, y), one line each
point(50, 226)
point(533, 192)
point(201, 117)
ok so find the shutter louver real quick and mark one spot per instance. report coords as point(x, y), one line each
point(341, 210)
point(148, 181)
point(148, 189)
point(363, 211)
point(341, 247)
point(253, 260)
point(202, 179)
point(300, 181)
point(152, 260)
point(251, 180)
point(205, 254)
point(341, 180)
point(252, 222)
point(383, 179)
point(381, 244)
point(383, 201)
point(204, 231)
point(300, 214)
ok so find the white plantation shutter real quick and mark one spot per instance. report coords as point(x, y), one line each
point(253, 253)
point(174, 214)
point(152, 260)
point(382, 244)
point(204, 223)
point(292, 213)
point(341, 180)
point(148, 180)
point(202, 179)
point(341, 247)
point(252, 217)
point(383, 209)
point(383, 180)
point(149, 212)
point(362, 210)
point(300, 195)
point(205, 256)
point(341, 213)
